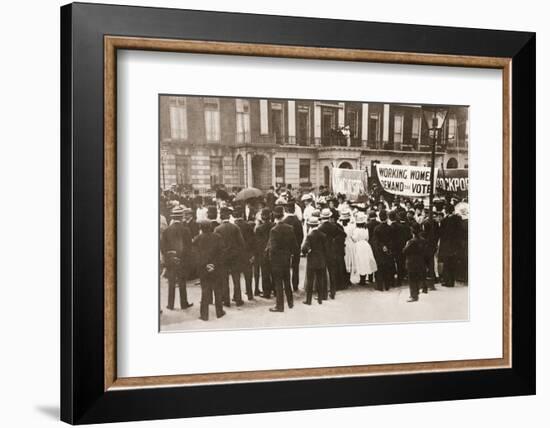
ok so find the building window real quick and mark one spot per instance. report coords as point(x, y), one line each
point(305, 170)
point(278, 121)
point(452, 163)
point(243, 121)
point(398, 128)
point(212, 119)
point(451, 129)
point(414, 163)
point(352, 120)
point(303, 129)
point(183, 169)
point(216, 170)
point(279, 170)
point(374, 127)
point(415, 133)
point(178, 118)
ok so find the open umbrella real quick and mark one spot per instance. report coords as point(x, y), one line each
point(248, 193)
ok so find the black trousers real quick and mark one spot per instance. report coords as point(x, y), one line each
point(416, 282)
point(211, 283)
point(256, 266)
point(316, 276)
point(449, 271)
point(281, 284)
point(295, 268)
point(246, 269)
point(267, 282)
point(176, 276)
point(384, 277)
point(430, 269)
point(233, 270)
point(400, 267)
point(332, 266)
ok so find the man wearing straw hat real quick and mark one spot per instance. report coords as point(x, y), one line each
point(280, 247)
point(315, 249)
point(333, 233)
point(175, 245)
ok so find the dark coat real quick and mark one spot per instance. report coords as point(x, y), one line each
point(430, 232)
point(209, 249)
point(262, 236)
point(177, 238)
point(247, 231)
point(233, 241)
point(193, 227)
point(414, 252)
point(401, 234)
point(316, 249)
point(296, 224)
point(450, 234)
point(281, 245)
point(333, 233)
point(383, 237)
point(371, 225)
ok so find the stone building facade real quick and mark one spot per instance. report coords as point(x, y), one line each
point(240, 142)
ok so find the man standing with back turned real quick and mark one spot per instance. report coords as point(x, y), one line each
point(280, 247)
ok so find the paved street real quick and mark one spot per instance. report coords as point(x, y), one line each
point(356, 305)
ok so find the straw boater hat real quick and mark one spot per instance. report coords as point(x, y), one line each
point(361, 218)
point(326, 213)
point(313, 221)
point(316, 213)
point(280, 201)
point(345, 214)
point(307, 197)
point(177, 212)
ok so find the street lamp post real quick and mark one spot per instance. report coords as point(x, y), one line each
point(434, 116)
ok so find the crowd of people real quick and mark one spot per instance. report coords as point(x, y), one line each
point(370, 241)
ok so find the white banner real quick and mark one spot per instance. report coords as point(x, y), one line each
point(405, 180)
point(351, 182)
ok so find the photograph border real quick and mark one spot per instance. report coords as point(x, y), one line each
point(112, 44)
point(90, 390)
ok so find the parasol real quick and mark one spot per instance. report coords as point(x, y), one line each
point(248, 193)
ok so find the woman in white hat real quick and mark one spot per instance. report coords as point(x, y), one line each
point(364, 262)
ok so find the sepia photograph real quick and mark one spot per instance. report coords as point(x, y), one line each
point(279, 213)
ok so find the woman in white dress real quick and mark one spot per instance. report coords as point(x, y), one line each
point(364, 262)
point(345, 221)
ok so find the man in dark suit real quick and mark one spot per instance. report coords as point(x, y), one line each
point(280, 248)
point(332, 232)
point(402, 233)
point(209, 249)
point(414, 252)
point(291, 219)
point(270, 198)
point(175, 245)
point(430, 232)
point(383, 244)
point(190, 222)
point(315, 249)
point(234, 247)
point(449, 245)
point(212, 215)
point(262, 237)
point(247, 255)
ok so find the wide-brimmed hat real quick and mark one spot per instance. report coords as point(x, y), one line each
point(177, 212)
point(326, 213)
point(307, 197)
point(313, 221)
point(345, 214)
